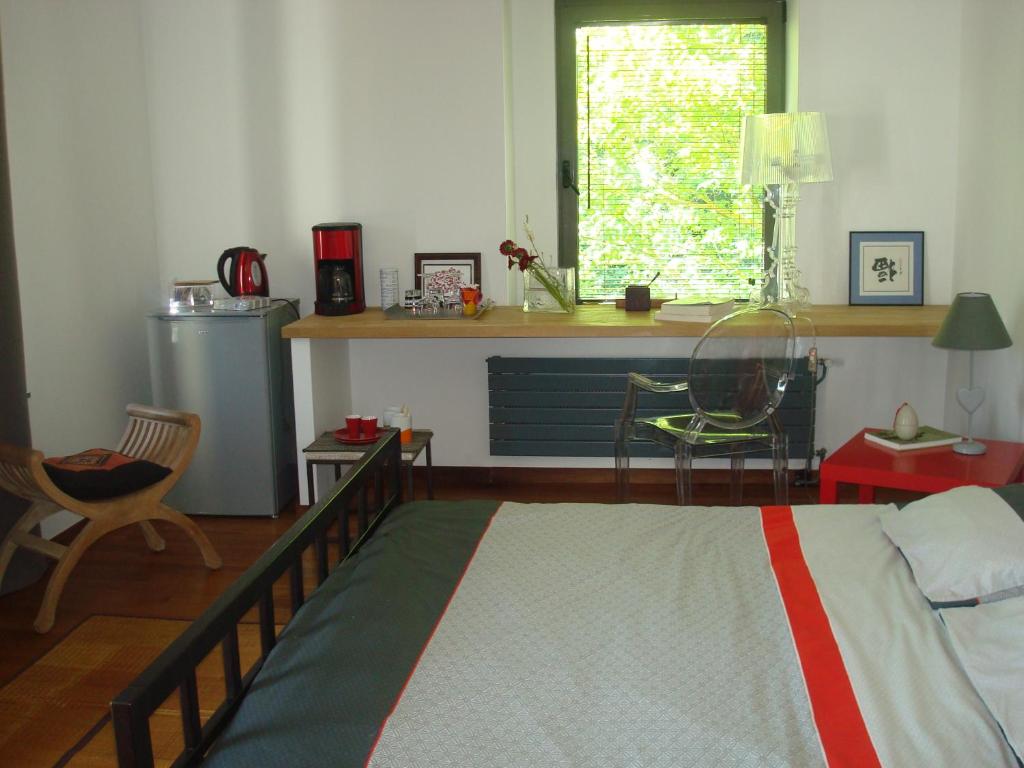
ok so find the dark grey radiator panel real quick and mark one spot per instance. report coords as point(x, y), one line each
point(565, 406)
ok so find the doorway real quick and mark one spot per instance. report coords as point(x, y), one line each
point(14, 423)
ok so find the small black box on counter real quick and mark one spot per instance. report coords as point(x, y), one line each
point(638, 298)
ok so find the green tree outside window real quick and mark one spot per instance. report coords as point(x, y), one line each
point(656, 114)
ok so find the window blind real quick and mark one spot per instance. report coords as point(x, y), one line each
point(659, 108)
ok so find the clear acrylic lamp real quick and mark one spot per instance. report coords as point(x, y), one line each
point(784, 149)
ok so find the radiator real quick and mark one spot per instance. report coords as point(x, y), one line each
point(567, 406)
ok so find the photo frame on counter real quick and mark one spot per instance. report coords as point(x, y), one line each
point(466, 265)
point(887, 268)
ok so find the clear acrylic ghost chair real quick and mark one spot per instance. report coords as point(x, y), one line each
point(737, 378)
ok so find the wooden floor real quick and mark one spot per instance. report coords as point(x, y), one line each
point(120, 576)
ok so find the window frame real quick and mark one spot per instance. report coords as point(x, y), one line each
point(573, 14)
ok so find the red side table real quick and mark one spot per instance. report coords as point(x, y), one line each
point(928, 470)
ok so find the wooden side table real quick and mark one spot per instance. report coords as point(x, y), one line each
point(326, 450)
point(928, 470)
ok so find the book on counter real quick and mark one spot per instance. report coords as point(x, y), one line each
point(927, 437)
point(690, 311)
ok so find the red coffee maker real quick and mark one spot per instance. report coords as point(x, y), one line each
point(338, 260)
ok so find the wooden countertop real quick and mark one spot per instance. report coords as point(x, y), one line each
point(603, 321)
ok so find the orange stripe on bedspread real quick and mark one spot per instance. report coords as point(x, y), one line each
point(844, 737)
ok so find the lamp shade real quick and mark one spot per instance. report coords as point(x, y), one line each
point(973, 322)
point(785, 147)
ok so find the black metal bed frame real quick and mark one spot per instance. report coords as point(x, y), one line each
point(176, 666)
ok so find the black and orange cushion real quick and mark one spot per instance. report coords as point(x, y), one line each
point(100, 473)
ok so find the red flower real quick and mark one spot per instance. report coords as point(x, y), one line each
point(516, 255)
point(523, 257)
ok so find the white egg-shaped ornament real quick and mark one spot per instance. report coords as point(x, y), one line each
point(905, 424)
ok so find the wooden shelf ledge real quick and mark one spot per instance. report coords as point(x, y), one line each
point(604, 321)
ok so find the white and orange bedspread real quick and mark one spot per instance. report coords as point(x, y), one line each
point(642, 635)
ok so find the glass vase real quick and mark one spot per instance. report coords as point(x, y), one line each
point(551, 289)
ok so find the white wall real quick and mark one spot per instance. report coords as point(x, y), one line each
point(265, 117)
point(990, 231)
point(83, 218)
point(269, 117)
point(533, 186)
point(894, 136)
point(885, 73)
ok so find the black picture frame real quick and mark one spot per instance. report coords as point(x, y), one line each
point(426, 263)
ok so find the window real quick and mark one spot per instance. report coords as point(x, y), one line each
point(651, 96)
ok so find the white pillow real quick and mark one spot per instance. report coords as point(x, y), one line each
point(987, 640)
point(964, 546)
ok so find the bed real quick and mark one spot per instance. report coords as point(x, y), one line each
point(499, 634)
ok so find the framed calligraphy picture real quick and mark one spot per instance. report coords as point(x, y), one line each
point(887, 268)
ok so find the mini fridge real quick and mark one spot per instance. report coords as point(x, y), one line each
point(234, 370)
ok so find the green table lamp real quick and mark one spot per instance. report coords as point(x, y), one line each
point(973, 323)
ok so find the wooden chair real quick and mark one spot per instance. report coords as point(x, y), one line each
point(168, 438)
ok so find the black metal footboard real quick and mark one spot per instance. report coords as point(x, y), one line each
point(370, 490)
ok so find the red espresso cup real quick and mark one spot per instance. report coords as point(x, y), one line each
point(369, 426)
point(352, 424)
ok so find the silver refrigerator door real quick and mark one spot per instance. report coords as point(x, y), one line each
point(233, 370)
